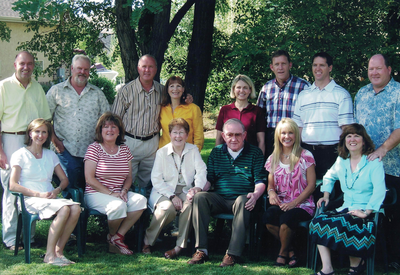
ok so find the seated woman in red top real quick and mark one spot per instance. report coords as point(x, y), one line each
point(108, 174)
point(250, 115)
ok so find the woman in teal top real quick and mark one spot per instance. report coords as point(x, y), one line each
point(348, 229)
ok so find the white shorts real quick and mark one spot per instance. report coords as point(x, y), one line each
point(113, 207)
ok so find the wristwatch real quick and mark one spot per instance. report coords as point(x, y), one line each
point(173, 196)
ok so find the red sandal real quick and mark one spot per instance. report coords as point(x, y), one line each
point(118, 241)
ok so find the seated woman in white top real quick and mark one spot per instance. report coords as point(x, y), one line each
point(178, 174)
point(31, 174)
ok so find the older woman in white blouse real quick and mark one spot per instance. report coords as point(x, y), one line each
point(178, 174)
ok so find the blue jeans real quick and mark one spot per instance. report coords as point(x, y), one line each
point(73, 167)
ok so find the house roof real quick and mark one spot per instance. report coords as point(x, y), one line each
point(6, 11)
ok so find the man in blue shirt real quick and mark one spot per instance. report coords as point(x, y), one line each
point(377, 108)
point(278, 96)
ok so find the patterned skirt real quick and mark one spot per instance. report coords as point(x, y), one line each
point(344, 233)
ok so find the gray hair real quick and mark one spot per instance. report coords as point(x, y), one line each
point(80, 56)
point(233, 121)
point(148, 55)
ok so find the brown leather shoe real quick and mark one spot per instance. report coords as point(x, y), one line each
point(228, 260)
point(198, 258)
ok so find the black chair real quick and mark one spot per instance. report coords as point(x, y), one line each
point(25, 220)
point(139, 226)
point(311, 250)
point(390, 200)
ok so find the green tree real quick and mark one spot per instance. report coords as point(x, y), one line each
point(60, 27)
point(351, 31)
point(141, 26)
point(5, 32)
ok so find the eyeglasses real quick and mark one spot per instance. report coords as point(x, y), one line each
point(178, 133)
point(236, 135)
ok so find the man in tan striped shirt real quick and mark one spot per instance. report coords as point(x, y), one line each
point(138, 104)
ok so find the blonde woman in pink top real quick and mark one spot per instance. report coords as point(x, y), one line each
point(291, 182)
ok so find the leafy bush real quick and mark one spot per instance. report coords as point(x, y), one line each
point(46, 86)
point(106, 85)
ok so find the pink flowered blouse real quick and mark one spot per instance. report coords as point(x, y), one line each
point(288, 185)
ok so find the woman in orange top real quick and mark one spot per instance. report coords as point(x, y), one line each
point(173, 106)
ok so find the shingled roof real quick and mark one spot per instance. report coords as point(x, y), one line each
point(6, 10)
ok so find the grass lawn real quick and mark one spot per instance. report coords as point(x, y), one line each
point(98, 261)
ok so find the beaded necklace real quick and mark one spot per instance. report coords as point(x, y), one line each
point(345, 177)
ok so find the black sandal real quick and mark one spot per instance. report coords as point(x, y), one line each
point(291, 259)
point(358, 269)
point(281, 264)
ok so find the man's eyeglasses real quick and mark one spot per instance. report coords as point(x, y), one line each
point(231, 135)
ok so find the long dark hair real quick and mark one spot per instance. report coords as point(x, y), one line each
point(166, 98)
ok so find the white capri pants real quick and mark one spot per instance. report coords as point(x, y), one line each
point(113, 207)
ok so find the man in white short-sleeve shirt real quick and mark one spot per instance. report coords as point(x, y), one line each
point(320, 112)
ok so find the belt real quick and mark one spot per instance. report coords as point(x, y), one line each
point(314, 147)
point(140, 138)
point(15, 133)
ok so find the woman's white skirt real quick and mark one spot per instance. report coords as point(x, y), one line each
point(46, 208)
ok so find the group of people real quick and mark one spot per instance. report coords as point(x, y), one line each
point(295, 126)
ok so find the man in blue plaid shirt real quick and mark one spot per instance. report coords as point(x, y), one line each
point(278, 96)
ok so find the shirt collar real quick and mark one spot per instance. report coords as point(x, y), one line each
point(245, 149)
point(284, 83)
point(15, 79)
point(170, 149)
point(143, 90)
point(387, 87)
point(329, 88)
point(68, 84)
point(248, 107)
point(360, 165)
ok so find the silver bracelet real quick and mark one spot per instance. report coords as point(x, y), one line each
point(270, 190)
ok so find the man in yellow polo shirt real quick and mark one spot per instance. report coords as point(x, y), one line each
point(22, 100)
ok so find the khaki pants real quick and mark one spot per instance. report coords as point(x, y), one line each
point(144, 154)
point(164, 213)
point(207, 204)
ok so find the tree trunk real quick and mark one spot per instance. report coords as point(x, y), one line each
point(127, 39)
point(153, 35)
point(200, 48)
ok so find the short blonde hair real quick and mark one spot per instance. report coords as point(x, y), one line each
point(247, 80)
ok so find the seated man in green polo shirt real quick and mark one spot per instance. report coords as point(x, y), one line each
point(235, 170)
